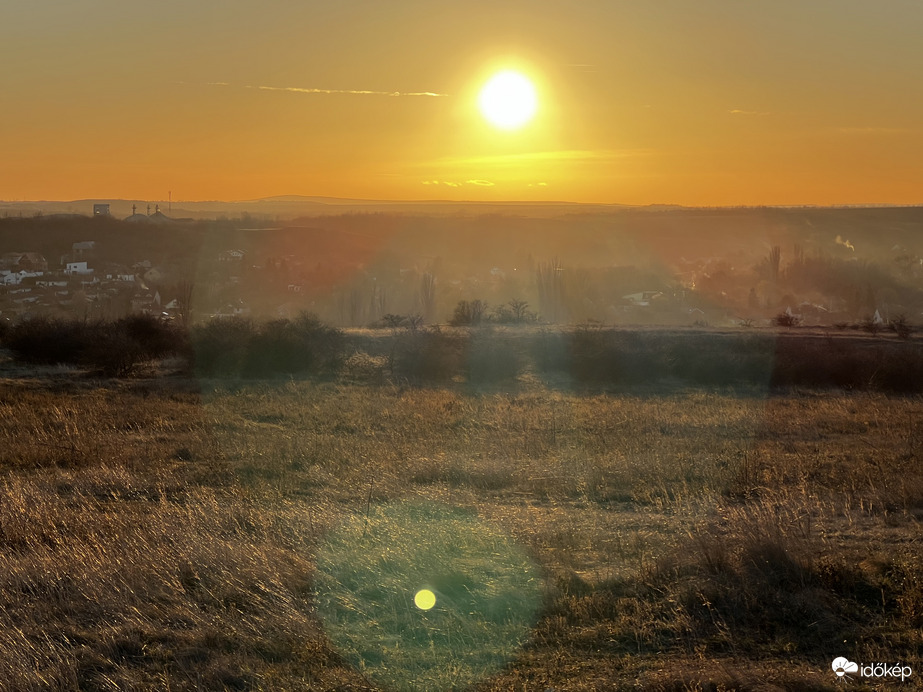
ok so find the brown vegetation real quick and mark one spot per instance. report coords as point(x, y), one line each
point(162, 534)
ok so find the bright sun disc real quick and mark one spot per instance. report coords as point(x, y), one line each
point(508, 100)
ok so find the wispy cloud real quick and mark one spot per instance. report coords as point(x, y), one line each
point(582, 67)
point(561, 156)
point(538, 184)
point(357, 92)
point(740, 111)
point(455, 183)
point(873, 130)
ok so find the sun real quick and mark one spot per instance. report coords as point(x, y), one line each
point(508, 100)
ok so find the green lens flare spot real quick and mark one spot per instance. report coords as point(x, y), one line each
point(424, 599)
point(380, 576)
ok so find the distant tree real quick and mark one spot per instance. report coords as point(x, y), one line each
point(468, 313)
point(520, 310)
point(774, 260)
point(428, 296)
point(550, 279)
point(183, 291)
point(514, 312)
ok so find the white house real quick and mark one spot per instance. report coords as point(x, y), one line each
point(642, 299)
point(11, 278)
point(77, 268)
point(231, 256)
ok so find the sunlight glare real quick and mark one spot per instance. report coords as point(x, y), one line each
point(508, 100)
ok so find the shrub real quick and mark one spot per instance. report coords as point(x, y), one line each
point(48, 341)
point(901, 327)
point(220, 346)
point(871, 325)
point(429, 355)
point(239, 347)
point(468, 313)
point(156, 338)
point(490, 358)
point(113, 352)
point(114, 348)
point(786, 319)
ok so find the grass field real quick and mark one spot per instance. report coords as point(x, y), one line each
point(164, 533)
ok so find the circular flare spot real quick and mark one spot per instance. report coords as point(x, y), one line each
point(424, 599)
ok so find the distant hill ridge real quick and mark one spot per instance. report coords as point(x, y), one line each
point(287, 207)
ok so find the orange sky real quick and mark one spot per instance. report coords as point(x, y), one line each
point(702, 102)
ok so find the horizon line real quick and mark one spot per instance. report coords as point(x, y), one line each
point(345, 201)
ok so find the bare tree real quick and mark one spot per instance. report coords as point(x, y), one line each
point(428, 296)
point(184, 290)
point(520, 310)
point(414, 321)
point(774, 260)
point(550, 276)
point(355, 307)
point(468, 313)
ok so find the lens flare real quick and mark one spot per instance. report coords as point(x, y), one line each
point(424, 599)
point(488, 588)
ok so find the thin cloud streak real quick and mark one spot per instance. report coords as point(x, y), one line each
point(359, 92)
point(873, 130)
point(563, 156)
point(453, 183)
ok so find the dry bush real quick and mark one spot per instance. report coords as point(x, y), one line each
point(429, 356)
point(490, 358)
point(240, 347)
point(113, 348)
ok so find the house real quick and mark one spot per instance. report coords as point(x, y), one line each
point(29, 261)
point(77, 268)
point(231, 256)
point(642, 299)
point(11, 278)
point(83, 250)
point(120, 274)
point(237, 309)
point(147, 303)
point(101, 210)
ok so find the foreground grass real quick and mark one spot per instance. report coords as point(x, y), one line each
point(159, 534)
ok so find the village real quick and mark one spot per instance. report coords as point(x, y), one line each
point(359, 271)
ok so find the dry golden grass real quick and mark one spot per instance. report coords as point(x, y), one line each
point(162, 534)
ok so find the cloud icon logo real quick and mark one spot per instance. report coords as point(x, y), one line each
point(841, 666)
